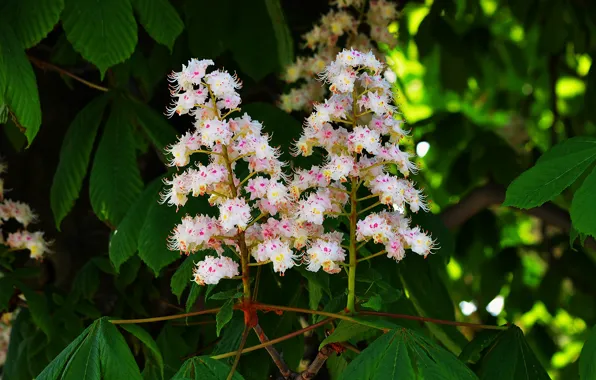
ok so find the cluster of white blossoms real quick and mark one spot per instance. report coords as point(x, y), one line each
point(271, 217)
point(23, 215)
point(359, 134)
point(360, 24)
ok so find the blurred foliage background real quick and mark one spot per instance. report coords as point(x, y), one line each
point(487, 86)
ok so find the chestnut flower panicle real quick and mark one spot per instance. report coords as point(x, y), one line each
point(359, 145)
point(232, 145)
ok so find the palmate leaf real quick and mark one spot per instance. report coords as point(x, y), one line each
point(181, 279)
point(556, 170)
point(75, 154)
point(100, 352)
point(583, 206)
point(18, 88)
point(204, 368)
point(149, 342)
point(115, 179)
point(405, 354)
point(124, 241)
point(160, 20)
point(345, 331)
point(510, 357)
point(31, 20)
point(104, 32)
point(430, 297)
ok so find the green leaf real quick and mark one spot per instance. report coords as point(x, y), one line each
point(183, 277)
point(511, 347)
point(583, 206)
point(15, 366)
point(285, 43)
point(86, 281)
point(74, 158)
point(160, 132)
point(228, 294)
point(100, 352)
point(159, 223)
point(336, 365)
point(471, 352)
point(556, 170)
point(104, 32)
point(38, 307)
point(224, 315)
point(18, 88)
point(6, 292)
point(250, 22)
point(195, 292)
point(405, 354)
point(148, 341)
point(128, 273)
point(205, 34)
point(587, 358)
point(204, 368)
point(32, 20)
point(428, 293)
point(346, 331)
point(115, 179)
point(160, 20)
point(375, 302)
point(124, 241)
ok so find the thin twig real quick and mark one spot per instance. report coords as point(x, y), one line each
point(433, 320)
point(277, 359)
point(276, 340)
point(237, 359)
point(164, 318)
point(46, 65)
point(316, 364)
point(372, 256)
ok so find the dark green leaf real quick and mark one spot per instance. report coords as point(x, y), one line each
point(100, 352)
point(206, 34)
point(18, 88)
point(204, 368)
point(6, 292)
point(160, 132)
point(224, 315)
point(251, 22)
point(346, 331)
point(15, 366)
point(285, 43)
point(74, 158)
point(428, 293)
point(38, 307)
point(86, 281)
point(195, 292)
point(405, 354)
point(160, 20)
point(183, 277)
point(31, 20)
point(471, 352)
point(375, 302)
point(115, 179)
point(148, 341)
point(104, 32)
point(125, 238)
point(583, 207)
point(511, 347)
point(587, 358)
point(228, 294)
point(556, 170)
